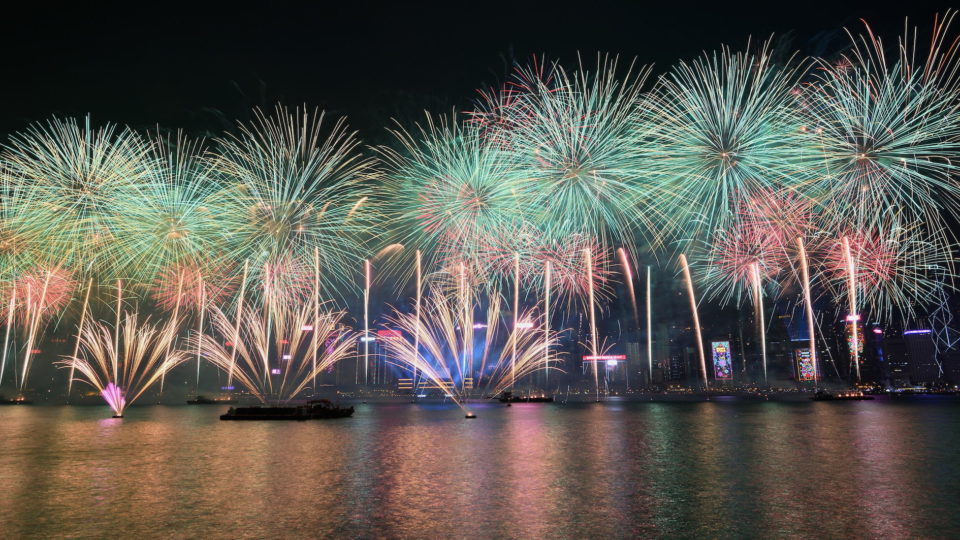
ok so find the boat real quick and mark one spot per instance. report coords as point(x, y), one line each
point(508, 397)
point(203, 400)
point(851, 395)
point(19, 400)
point(312, 410)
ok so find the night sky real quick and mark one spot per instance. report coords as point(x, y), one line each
point(200, 67)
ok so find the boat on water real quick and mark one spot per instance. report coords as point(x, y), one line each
point(312, 410)
point(204, 400)
point(851, 395)
point(19, 400)
point(508, 397)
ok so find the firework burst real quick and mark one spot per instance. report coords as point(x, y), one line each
point(43, 292)
point(174, 222)
point(452, 192)
point(888, 130)
point(187, 286)
point(574, 136)
point(894, 269)
point(737, 258)
point(290, 189)
point(75, 181)
point(726, 128)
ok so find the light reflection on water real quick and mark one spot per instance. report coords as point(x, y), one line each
point(610, 470)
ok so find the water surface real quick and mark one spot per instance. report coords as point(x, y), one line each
point(612, 470)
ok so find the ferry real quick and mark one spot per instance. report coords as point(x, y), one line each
point(313, 410)
point(19, 400)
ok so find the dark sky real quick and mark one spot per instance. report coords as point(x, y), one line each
point(199, 67)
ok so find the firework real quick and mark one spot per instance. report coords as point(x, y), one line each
point(569, 279)
point(500, 110)
point(726, 128)
point(76, 181)
point(17, 244)
point(685, 267)
point(440, 346)
point(277, 355)
point(574, 136)
point(452, 193)
point(36, 297)
point(190, 287)
point(44, 292)
point(285, 279)
point(123, 362)
point(888, 131)
point(291, 189)
point(739, 260)
point(888, 269)
point(174, 222)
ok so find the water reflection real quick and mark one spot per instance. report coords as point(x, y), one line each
point(613, 470)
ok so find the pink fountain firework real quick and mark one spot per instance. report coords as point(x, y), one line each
point(113, 395)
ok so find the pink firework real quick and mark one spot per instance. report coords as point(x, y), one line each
point(742, 255)
point(778, 217)
point(500, 249)
point(211, 283)
point(113, 395)
point(48, 290)
point(568, 266)
point(742, 248)
point(873, 259)
point(502, 110)
point(287, 279)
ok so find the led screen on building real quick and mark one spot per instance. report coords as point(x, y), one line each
point(722, 365)
point(805, 364)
